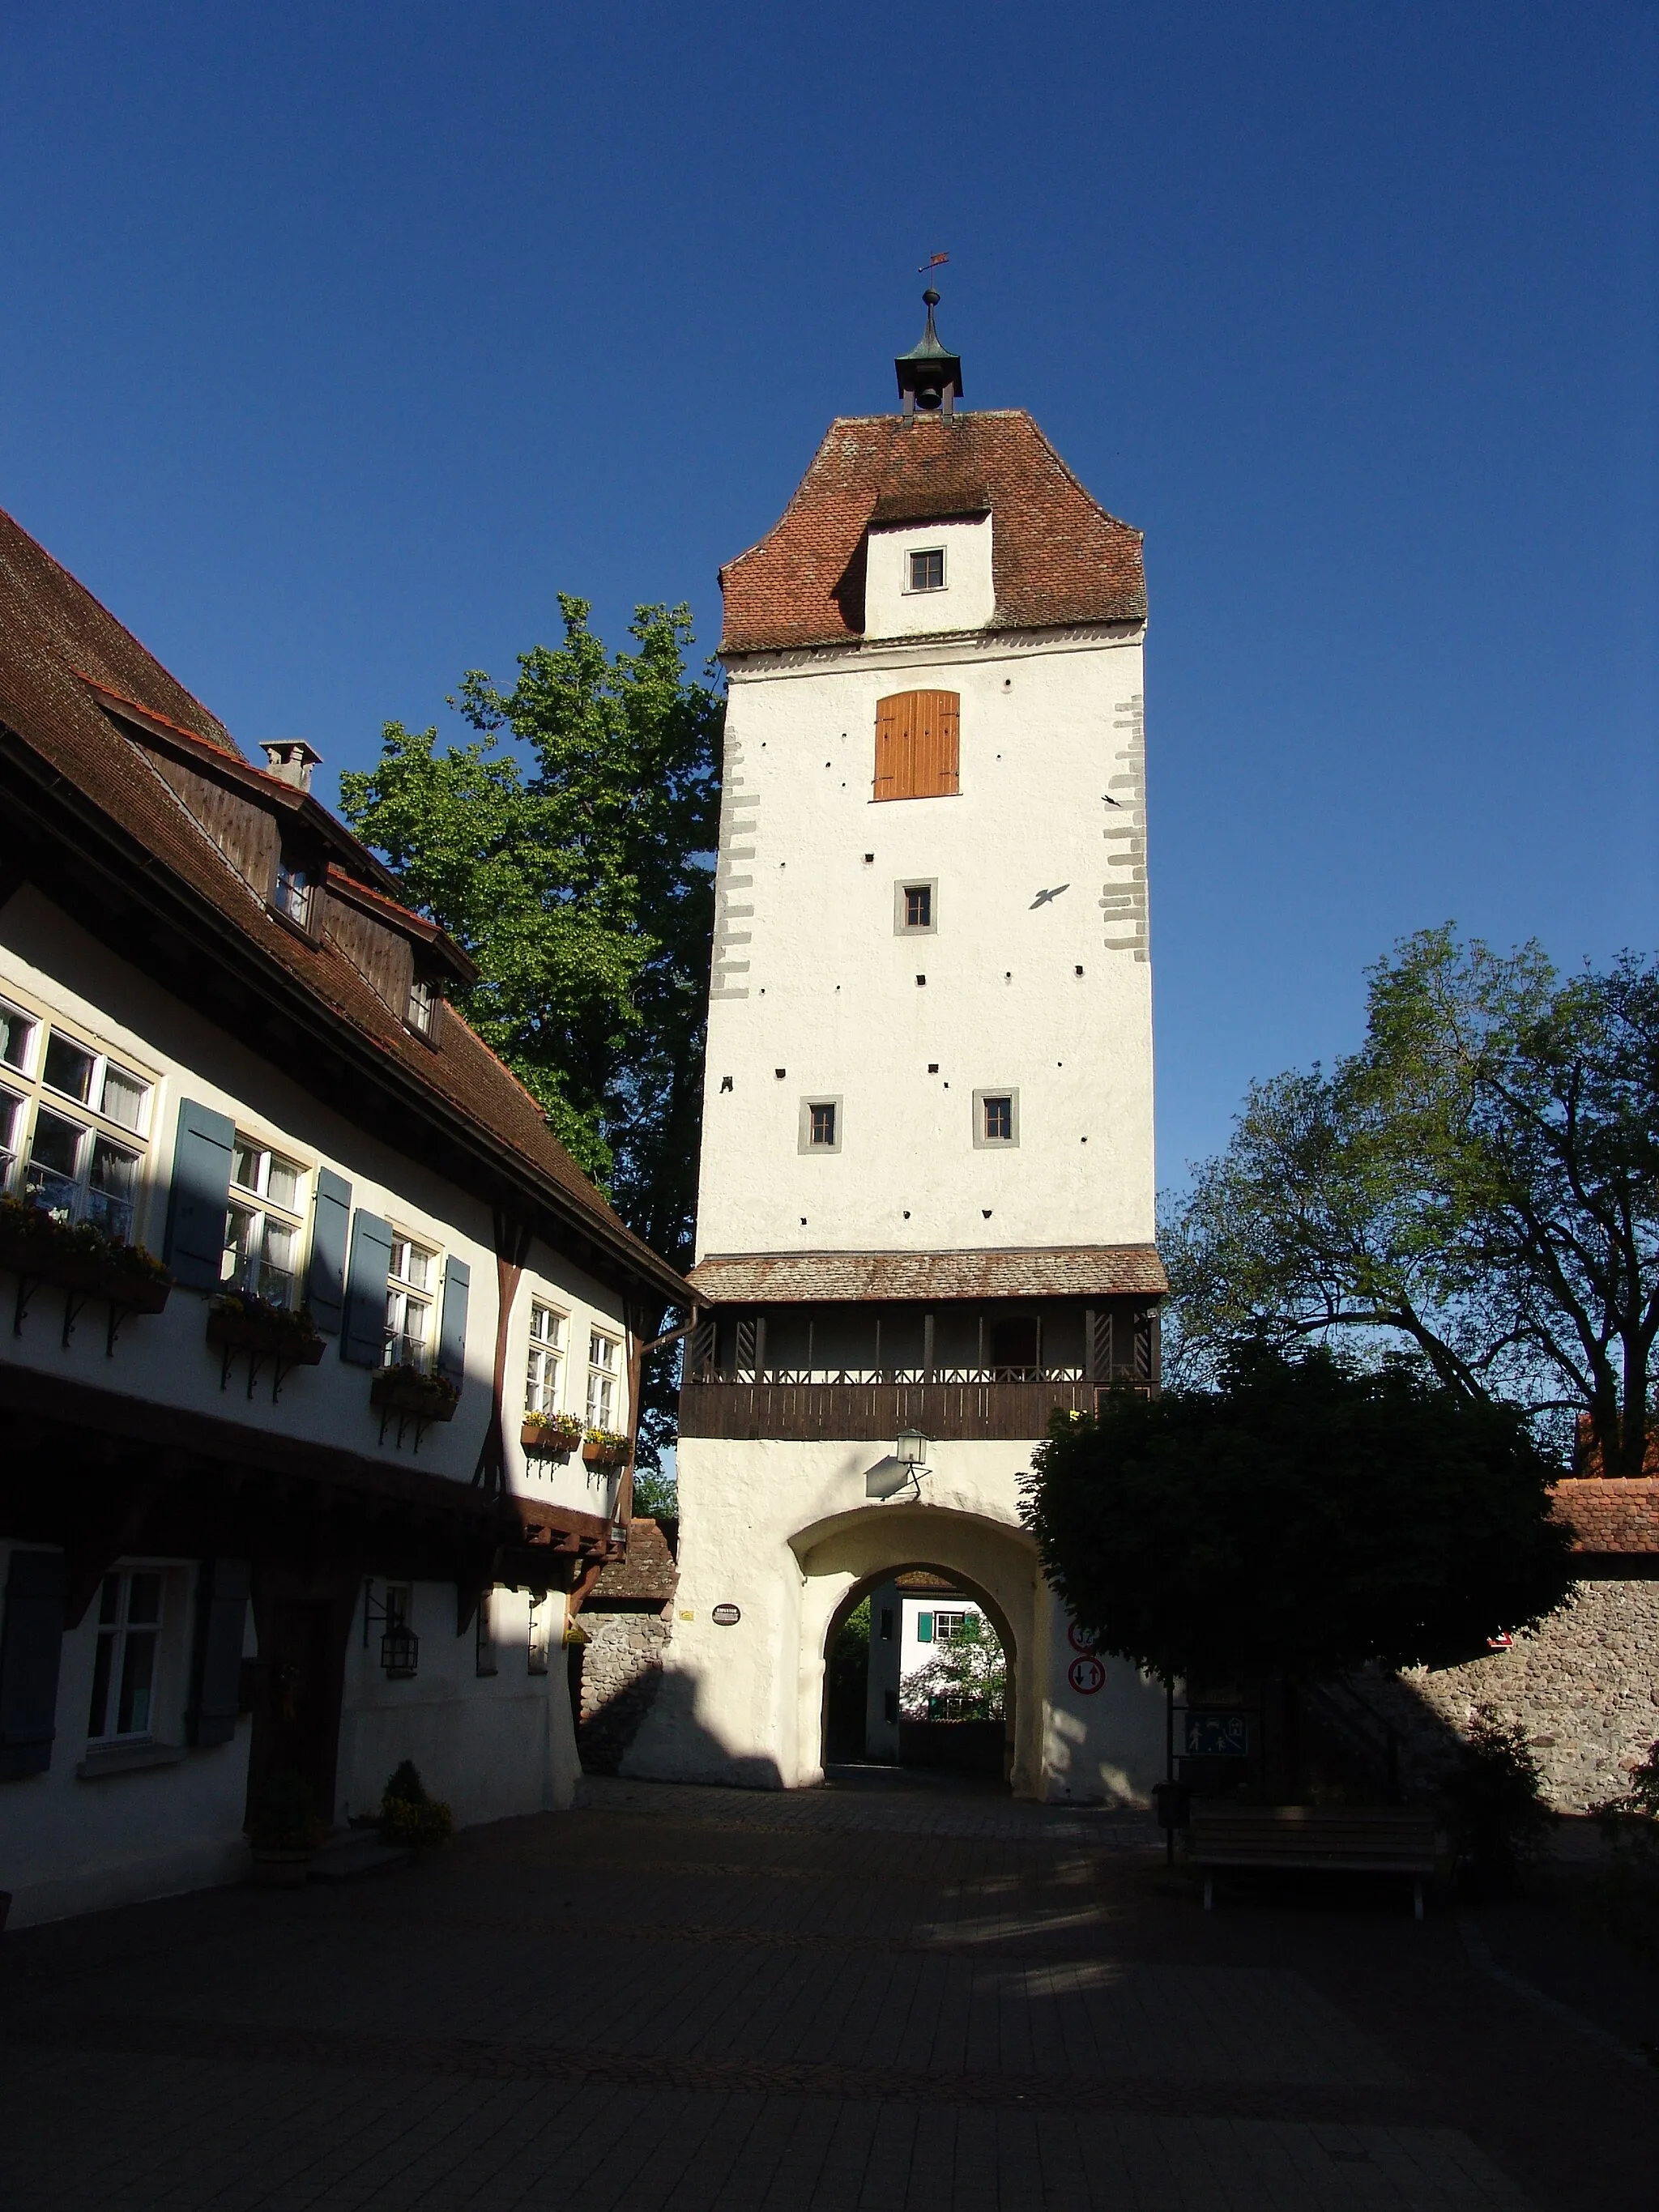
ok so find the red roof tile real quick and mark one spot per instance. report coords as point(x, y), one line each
point(54, 636)
point(1058, 557)
point(779, 1278)
point(1610, 1513)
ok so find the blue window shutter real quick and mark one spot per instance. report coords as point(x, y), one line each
point(216, 1675)
point(924, 1628)
point(330, 1219)
point(363, 1341)
point(451, 1326)
point(31, 1646)
point(201, 1195)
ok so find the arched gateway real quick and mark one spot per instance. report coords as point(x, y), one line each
point(925, 1222)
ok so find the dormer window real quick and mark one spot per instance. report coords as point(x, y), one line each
point(927, 570)
point(421, 1012)
point(296, 889)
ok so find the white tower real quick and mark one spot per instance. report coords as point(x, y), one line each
point(926, 1193)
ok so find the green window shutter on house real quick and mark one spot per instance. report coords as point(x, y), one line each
point(31, 1649)
point(216, 1675)
point(451, 1324)
point(330, 1220)
point(200, 1197)
point(924, 1628)
point(364, 1340)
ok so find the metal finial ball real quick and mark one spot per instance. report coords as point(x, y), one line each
point(930, 298)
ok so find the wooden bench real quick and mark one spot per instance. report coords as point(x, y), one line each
point(1345, 1839)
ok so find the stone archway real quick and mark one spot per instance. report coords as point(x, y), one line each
point(966, 1584)
point(994, 1560)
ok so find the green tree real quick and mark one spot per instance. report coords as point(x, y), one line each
point(966, 1680)
point(1306, 1517)
point(569, 849)
point(1479, 1183)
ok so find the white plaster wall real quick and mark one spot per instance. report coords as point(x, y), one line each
point(74, 1844)
point(47, 960)
point(784, 1532)
point(490, 1745)
point(968, 600)
point(912, 1652)
point(810, 976)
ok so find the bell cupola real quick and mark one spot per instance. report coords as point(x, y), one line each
point(929, 377)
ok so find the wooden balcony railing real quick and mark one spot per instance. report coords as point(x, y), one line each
point(797, 1412)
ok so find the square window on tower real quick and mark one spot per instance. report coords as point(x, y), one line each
point(820, 1125)
point(927, 570)
point(915, 908)
point(996, 1119)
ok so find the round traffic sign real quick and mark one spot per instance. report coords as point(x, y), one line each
point(1086, 1675)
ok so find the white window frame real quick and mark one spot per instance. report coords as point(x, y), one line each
point(405, 1296)
point(914, 553)
point(421, 1007)
point(25, 1095)
point(119, 1636)
point(294, 893)
point(984, 1143)
point(804, 1136)
point(541, 1397)
point(958, 1618)
point(245, 1267)
point(603, 1381)
point(902, 925)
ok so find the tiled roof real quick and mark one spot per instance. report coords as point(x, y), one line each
point(645, 1575)
point(1058, 557)
point(1610, 1513)
point(54, 636)
point(779, 1278)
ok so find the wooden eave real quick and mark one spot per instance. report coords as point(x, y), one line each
point(256, 784)
point(437, 944)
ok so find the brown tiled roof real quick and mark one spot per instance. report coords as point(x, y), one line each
point(779, 1278)
point(1610, 1513)
point(1058, 556)
point(54, 636)
point(645, 1575)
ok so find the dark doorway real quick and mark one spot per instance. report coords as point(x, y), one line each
point(847, 1687)
point(1014, 1345)
point(296, 1725)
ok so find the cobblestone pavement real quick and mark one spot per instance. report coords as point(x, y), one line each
point(826, 2001)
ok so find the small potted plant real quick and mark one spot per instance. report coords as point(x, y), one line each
point(283, 1831)
point(552, 1436)
point(410, 1820)
point(605, 1448)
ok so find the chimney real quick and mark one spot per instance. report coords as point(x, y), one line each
point(291, 761)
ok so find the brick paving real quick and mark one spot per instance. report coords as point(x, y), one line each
point(824, 2001)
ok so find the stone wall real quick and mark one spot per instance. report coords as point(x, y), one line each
point(622, 1675)
point(1585, 1686)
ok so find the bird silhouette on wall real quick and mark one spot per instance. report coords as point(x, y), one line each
point(1044, 898)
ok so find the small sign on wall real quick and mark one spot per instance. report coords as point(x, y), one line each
point(1086, 1675)
point(725, 1616)
point(1217, 1735)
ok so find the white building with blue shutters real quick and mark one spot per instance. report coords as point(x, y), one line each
point(304, 1311)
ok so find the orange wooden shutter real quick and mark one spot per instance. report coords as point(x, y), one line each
point(918, 743)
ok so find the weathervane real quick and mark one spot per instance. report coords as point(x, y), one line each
point(933, 261)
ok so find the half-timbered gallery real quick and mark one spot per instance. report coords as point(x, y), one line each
point(926, 1215)
point(319, 1354)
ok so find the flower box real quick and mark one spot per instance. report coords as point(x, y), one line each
point(79, 1258)
point(406, 1390)
point(268, 1332)
point(604, 1447)
point(555, 1439)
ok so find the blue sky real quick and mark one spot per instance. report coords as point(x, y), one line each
point(339, 337)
